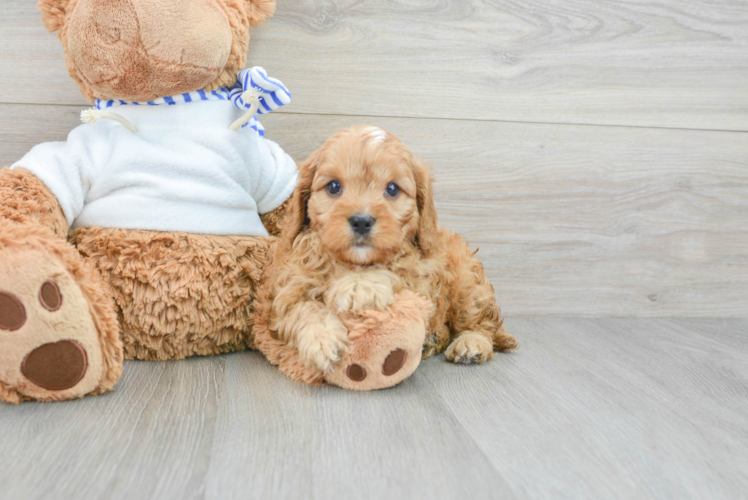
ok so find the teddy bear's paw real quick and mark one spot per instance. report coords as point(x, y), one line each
point(321, 346)
point(50, 348)
point(364, 290)
point(387, 347)
point(470, 348)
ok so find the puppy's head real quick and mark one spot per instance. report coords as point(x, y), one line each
point(366, 196)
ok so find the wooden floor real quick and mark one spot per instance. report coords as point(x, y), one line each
point(597, 155)
point(587, 408)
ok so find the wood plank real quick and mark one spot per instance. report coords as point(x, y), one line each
point(276, 438)
point(569, 220)
point(150, 439)
point(675, 63)
point(612, 408)
point(587, 408)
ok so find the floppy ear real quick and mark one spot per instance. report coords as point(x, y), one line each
point(297, 218)
point(260, 11)
point(426, 238)
point(53, 13)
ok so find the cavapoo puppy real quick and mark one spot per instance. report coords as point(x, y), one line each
point(361, 228)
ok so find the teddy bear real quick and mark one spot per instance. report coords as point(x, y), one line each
point(143, 235)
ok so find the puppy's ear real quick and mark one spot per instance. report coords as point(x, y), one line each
point(427, 238)
point(259, 11)
point(297, 218)
point(53, 13)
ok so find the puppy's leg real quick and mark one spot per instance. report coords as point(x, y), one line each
point(318, 334)
point(475, 317)
point(436, 342)
point(357, 291)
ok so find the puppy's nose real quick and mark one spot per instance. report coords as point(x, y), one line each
point(362, 224)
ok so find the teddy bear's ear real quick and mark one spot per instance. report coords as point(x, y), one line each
point(53, 13)
point(259, 11)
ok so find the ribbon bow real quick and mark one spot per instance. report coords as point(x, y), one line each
point(258, 93)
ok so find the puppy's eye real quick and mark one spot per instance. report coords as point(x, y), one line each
point(334, 187)
point(392, 190)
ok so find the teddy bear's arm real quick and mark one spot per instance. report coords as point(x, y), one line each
point(25, 199)
point(68, 169)
point(276, 180)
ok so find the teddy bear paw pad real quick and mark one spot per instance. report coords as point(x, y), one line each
point(49, 344)
point(394, 361)
point(356, 372)
point(392, 364)
point(12, 312)
point(56, 366)
point(364, 370)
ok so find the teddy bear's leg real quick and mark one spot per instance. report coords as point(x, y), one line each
point(385, 346)
point(59, 337)
point(177, 294)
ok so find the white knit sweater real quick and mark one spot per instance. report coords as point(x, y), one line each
point(182, 170)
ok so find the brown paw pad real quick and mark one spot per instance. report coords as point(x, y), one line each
point(56, 366)
point(392, 364)
point(12, 312)
point(394, 361)
point(355, 372)
point(50, 296)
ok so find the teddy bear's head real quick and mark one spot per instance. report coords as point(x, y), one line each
point(139, 50)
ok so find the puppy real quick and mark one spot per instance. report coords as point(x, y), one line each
point(362, 227)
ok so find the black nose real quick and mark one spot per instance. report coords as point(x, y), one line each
point(362, 224)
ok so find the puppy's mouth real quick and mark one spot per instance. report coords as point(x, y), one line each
point(361, 250)
point(362, 242)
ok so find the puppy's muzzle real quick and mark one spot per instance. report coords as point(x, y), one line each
point(362, 224)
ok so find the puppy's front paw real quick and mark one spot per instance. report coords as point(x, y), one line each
point(321, 346)
point(358, 291)
point(469, 348)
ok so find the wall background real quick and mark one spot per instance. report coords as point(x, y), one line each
point(595, 152)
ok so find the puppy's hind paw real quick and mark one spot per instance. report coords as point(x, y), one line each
point(470, 348)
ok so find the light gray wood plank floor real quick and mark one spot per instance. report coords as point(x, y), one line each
point(587, 408)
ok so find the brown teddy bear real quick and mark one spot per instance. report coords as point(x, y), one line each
point(170, 189)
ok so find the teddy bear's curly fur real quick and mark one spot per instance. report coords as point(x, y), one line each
point(124, 293)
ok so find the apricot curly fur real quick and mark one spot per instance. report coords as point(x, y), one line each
point(278, 352)
point(318, 247)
